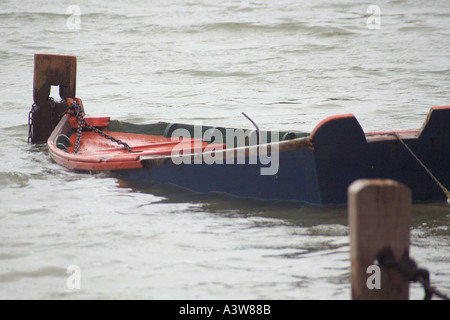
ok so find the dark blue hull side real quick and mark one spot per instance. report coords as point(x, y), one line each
point(296, 179)
point(320, 170)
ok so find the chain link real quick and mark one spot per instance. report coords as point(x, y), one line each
point(78, 112)
point(54, 116)
point(31, 117)
point(31, 122)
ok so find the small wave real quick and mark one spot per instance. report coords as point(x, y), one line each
point(324, 30)
point(16, 14)
point(8, 256)
point(13, 179)
point(43, 272)
point(213, 73)
point(329, 31)
point(246, 26)
point(439, 71)
point(27, 15)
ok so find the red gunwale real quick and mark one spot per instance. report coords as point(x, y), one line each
point(369, 133)
point(95, 121)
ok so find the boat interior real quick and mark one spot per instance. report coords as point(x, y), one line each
point(159, 138)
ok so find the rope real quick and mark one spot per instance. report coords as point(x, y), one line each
point(411, 271)
point(446, 192)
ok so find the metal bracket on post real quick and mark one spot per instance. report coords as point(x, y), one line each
point(50, 70)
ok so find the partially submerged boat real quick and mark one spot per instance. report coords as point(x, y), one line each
point(314, 167)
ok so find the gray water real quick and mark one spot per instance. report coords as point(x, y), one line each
point(287, 64)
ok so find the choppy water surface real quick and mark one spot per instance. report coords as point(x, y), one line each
point(288, 64)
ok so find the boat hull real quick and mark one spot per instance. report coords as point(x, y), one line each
point(317, 168)
point(295, 180)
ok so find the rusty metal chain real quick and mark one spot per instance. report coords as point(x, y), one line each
point(78, 112)
point(31, 117)
point(79, 131)
point(31, 122)
point(411, 271)
point(55, 118)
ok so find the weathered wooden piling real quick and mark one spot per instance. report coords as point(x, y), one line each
point(50, 70)
point(379, 217)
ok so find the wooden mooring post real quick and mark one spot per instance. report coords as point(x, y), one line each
point(379, 218)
